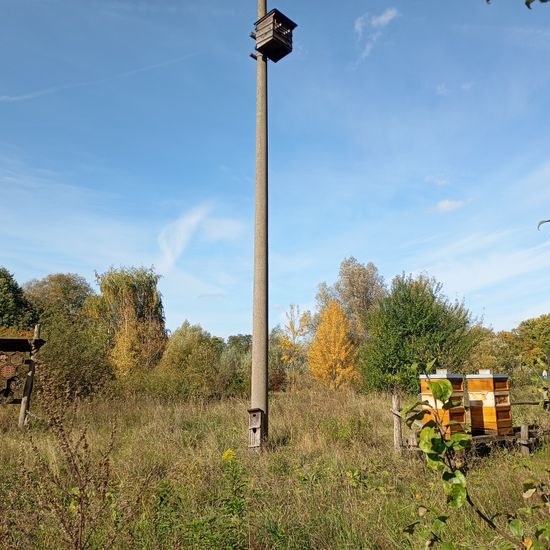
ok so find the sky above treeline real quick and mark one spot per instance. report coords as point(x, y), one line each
point(411, 134)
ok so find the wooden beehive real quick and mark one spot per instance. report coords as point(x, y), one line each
point(274, 35)
point(489, 401)
point(453, 419)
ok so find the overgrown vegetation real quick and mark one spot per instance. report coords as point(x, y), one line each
point(525, 527)
point(174, 473)
point(330, 479)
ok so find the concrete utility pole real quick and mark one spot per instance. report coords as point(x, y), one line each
point(273, 36)
point(258, 398)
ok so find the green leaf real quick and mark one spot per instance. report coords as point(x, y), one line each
point(435, 461)
point(516, 528)
point(412, 418)
point(408, 408)
point(460, 478)
point(543, 530)
point(441, 390)
point(439, 522)
point(455, 478)
point(446, 546)
point(459, 441)
point(427, 436)
point(456, 495)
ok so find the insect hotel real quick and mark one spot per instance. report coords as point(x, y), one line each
point(489, 401)
point(454, 418)
point(17, 369)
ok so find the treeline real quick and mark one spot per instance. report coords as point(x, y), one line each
point(363, 334)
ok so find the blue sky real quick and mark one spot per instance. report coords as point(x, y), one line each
point(412, 133)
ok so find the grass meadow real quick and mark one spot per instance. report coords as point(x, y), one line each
point(131, 471)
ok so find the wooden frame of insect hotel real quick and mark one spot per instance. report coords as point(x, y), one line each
point(273, 35)
point(489, 401)
point(453, 418)
point(12, 367)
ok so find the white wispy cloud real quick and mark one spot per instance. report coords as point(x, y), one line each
point(437, 180)
point(55, 89)
point(176, 235)
point(376, 23)
point(448, 205)
point(466, 86)
point(368, 47)
point(382, 20)
point(359, 25)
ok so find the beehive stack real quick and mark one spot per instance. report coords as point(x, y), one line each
point(453, 419)
point(489, 400)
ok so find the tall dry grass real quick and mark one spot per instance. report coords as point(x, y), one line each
point(330, 479)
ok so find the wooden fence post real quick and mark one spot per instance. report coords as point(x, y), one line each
point(29, 382)
point(524, 439)
point(397, 427)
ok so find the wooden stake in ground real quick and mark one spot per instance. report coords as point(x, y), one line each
point(397, 426)
point(29, 380)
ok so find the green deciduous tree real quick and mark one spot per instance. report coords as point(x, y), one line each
point(496, 351)
point(192, 363)
point(60, 292)
point(236, 364)
point(415, 322)
point(76, 354)
point(533, 340)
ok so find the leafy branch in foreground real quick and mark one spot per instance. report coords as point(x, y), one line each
point(444, 453)
point(528, 2)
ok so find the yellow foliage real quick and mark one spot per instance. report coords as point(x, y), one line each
point(332, 357)
point(293, 335)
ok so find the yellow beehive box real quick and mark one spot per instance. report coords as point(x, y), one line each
point(489, 401)
point(453, 419)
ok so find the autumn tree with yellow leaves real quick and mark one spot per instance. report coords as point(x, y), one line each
point(131, 306)
point(332, 357)
point(293, 341)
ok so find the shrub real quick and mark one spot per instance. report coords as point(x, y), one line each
point(192, 361)
point(414, 322)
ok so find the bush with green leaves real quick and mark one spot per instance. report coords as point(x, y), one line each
point(76, 354)
point(191, 364)
point(413, 322)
